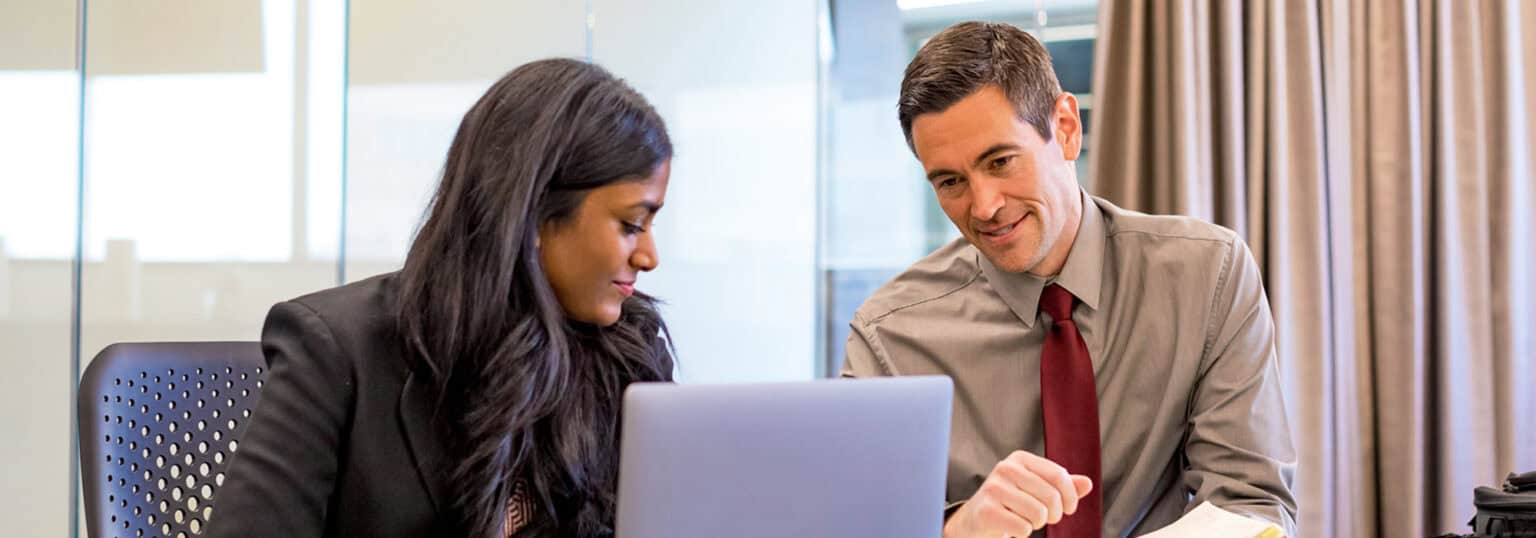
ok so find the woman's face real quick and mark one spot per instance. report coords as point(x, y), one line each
point(593, 256)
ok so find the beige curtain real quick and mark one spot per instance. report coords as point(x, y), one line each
point(1378, 157)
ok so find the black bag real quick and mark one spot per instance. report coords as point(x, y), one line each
point(1506, 512)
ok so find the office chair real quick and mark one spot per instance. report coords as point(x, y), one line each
point(159, 425)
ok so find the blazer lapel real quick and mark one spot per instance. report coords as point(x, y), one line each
point(423, 436)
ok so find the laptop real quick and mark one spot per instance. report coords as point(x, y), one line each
point(847, 458)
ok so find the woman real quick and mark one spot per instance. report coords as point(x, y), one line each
point(476, 392)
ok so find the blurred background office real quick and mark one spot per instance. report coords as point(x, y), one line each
point(171, 168)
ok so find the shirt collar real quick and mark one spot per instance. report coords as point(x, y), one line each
point(1082, 275)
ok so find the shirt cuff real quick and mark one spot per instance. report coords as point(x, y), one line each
point(949, 509)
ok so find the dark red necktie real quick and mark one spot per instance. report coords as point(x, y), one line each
point(1071, 407)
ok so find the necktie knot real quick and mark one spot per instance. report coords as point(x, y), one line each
point(1057, 302)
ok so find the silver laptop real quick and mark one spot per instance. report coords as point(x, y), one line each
point(843, 458)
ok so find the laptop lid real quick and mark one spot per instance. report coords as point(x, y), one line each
point(844, 458)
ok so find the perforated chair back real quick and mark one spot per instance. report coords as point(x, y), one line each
point(159, 424)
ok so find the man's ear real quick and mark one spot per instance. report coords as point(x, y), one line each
point(1068, 125)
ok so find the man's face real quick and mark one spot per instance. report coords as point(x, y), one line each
point(1010, 192)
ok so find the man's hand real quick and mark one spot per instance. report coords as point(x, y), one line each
point(1023, 494)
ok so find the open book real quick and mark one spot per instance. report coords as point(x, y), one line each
point(1210, 521)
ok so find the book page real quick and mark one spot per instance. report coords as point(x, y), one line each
point(1210, 521)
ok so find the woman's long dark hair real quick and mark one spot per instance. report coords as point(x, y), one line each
point(526, 393)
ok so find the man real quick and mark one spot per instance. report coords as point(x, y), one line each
point(1112, 369)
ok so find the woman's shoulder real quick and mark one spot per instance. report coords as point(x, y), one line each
point(357, 319)
point(374, 295)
